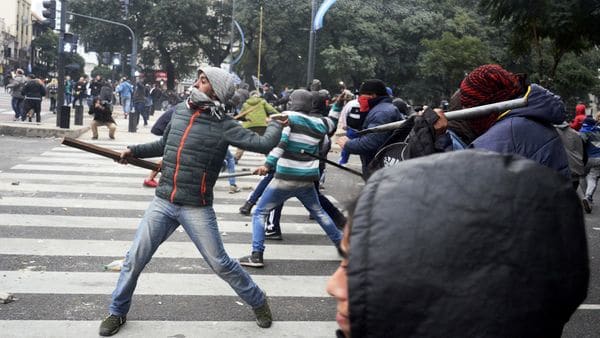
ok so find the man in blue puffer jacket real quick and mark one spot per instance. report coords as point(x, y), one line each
point(590, 133)
point(374, 99)
point(526, 131)
point(193, 148)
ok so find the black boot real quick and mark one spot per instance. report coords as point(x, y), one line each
point(246, 209)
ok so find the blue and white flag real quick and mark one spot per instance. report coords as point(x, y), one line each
point(318, 23)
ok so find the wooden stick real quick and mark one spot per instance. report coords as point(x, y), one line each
point(112, 154)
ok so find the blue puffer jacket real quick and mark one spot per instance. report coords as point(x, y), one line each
point(367, 145)
point(529, 131)
point(590, 133)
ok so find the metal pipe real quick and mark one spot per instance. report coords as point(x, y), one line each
point(311, 44)
point(461, 114)
point(244, 173)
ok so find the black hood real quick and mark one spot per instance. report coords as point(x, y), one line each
point(466, 244)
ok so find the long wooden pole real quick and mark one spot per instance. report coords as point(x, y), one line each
point(112, 154)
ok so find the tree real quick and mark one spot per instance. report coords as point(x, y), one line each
point(170, 36)
point(566, 25)
point(446, 61)
point(47, 46)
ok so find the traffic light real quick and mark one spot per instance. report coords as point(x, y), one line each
point(49, 13)
point(124, 7)
point(106, 59)
point(128, 58)
point(71, 41)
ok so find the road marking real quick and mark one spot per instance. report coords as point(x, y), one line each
point(169, 249)
point(145, 329)
point(589, 307)
point(55, 282)
point(131, 223)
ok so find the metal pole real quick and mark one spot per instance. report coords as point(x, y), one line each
point(60, 64)
point(461, 114)
point(133, 39)
point(232, 35)
point(311, 45)
point(260, 41)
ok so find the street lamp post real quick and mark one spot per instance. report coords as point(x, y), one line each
point(311, 45)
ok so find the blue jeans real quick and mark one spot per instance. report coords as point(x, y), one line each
point(344, 155)
point(126, 102)
point(17, 106)
point(140, 108)
point(274, 196)
point(260, 187)
point(230, 166)
point(200, 223)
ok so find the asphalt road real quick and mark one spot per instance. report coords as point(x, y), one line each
point(341, 185)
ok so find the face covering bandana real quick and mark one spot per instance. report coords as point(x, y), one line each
point(363, 101)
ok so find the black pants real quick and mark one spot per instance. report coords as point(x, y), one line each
point(32, 106)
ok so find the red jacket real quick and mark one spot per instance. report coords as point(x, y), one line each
point(579, 117)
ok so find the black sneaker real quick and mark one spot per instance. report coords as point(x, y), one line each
point(264, 318)
point(255, 260)
point(273, 235)
point(587, 206)
point(246, 209)
point(111, 325)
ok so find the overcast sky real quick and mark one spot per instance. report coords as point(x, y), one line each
point(36, 6)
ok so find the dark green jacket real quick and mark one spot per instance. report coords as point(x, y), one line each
point(193, 149)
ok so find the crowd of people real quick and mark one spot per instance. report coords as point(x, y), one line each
point(476, 230)
point(467, 211)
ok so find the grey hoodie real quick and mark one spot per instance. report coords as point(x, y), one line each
point(574, 147)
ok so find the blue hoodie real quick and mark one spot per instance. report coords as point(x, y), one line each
point(590, 133)
point(529, 131)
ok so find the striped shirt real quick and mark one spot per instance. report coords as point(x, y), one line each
point(301, 137)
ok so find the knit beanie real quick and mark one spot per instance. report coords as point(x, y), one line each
point(300, 101)
point(373, 86)
point(221, 82)
point(489, 84)
point(485, 85)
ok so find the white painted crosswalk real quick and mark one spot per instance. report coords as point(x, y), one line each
point(65, 213)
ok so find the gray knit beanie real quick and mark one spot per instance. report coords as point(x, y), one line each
point(300, 101)
point(221, 82)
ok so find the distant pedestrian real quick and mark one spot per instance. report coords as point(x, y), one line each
point(102, 111)
point(579, 117)
point(52, 90)
point(125, 90)
point(33, 92)
point(16, 86)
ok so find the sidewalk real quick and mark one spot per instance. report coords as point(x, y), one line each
point(47, 128)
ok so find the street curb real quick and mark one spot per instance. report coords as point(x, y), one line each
point(42, 131)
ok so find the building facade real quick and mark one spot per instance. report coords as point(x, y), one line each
point(16, 32)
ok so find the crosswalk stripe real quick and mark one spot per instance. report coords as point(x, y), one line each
point(129, 223)
point(115, 204)
point(120, 190)
point(154, 283)
point(172, 329)
point(94, 161)
point(56, 247)
point(95, 180)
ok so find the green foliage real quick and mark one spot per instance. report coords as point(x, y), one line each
point(448, 59)
point(104, 71)
point(47, 45)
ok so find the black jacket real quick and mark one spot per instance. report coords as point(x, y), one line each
point(466, 244)
point(102, 113)
point(33, 89)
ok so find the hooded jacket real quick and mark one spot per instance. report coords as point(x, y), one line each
point(590, 133)
point(367, 145)
point(529, 131)
point(16, 85)
point(461, 260)
point(574, 146)
point(579, 117)
point(259, 110)
point(193, 148)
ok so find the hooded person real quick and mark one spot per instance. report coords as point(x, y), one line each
point(528, 131)
point(374, 100)
point(296, 173)
point(193, 148)
point(579, 117)
point(253, 115)
point(462, 262)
